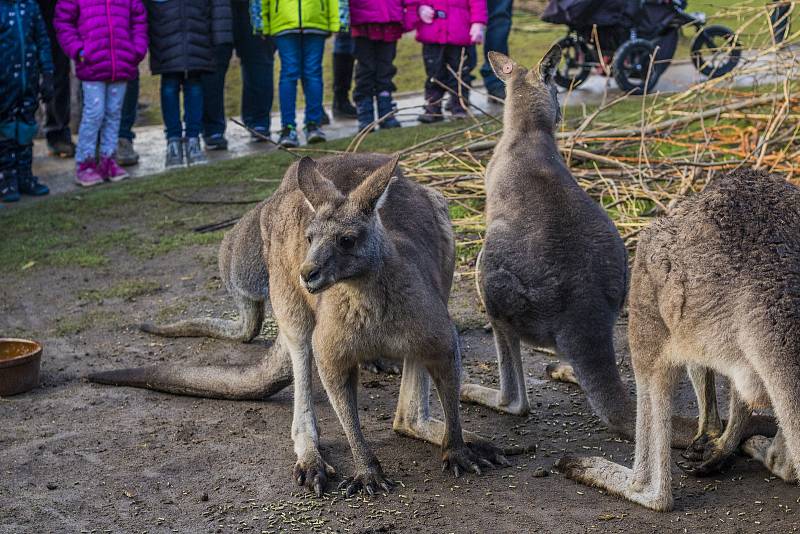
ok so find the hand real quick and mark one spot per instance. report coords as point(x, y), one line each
point(476, 32)
point(426, 14)
point(46, 88)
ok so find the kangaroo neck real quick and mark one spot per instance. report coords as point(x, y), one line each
point(530, 141)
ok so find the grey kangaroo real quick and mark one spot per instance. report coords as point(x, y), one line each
point(360, 264)
point(553, 271)
point(715, 285)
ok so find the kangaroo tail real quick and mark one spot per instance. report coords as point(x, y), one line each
point(251, 315)
point(232, 382)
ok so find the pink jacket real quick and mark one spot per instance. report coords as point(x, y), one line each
point(451, 26)
point(111, 33)
point(375, 11)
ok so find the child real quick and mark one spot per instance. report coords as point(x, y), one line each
point(183, 37)
point(299, 29)
point(107, 42)
point(377, 25)
point(448, 31)
point(25, 54)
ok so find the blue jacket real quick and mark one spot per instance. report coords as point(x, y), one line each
point(24, 56)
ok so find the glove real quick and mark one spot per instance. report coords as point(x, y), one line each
point(426, 14)
point(46, 88)
point(476, 32)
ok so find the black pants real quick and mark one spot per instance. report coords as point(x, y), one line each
point(438, 57)
point(374, 68)
point(16, 163)
point(57, 111)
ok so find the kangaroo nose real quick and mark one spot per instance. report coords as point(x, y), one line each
point(309, 272)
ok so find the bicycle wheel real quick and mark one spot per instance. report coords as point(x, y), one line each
point(574, 67)
point(632, 66)
point(715, 51)
point(779, 20)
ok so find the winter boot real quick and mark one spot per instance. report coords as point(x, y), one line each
point(457, 110)
point(126, 155)
point(433, 106)
point(366, 113)
point(28, 183)
point(386, 112)
point(342, 80)
point(9, 187)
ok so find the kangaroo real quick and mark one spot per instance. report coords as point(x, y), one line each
point(553, 270)
point(715, 284)
point(360, 264)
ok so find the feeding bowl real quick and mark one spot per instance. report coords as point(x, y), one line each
point(19, 365)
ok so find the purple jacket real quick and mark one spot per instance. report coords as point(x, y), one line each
point(453, 27)
point(111, 33)
point(375, 11)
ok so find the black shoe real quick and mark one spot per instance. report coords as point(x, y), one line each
point(260, 134)
point(498, 92)
point(386, 112)
point(63, 148)
point(342, 108)
point(216, 142)
point(431, 114)
point(326, 120)
point(32, 187)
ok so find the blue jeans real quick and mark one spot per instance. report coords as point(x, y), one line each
point(497, 32)
point(129, 110)
point(102, 108)
point(301, 58)
point(171, 84)
point(256, 55)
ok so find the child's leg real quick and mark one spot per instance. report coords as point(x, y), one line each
point(435, 70)
point(289, 50)
point(366, 69)
point(171, 105)
point(9, 186)
point(193, 105)
point(94, 106)
point(313, 48)
point(109, 132)
point(384, 67)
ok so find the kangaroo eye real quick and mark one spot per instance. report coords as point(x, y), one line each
point(308, 238)
point(347, 242)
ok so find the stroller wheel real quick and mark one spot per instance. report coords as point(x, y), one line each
point(632, 66)
point(715, 51)
point(575, 65)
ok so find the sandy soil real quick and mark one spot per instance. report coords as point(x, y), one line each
point(77, 457)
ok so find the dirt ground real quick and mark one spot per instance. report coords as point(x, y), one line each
point(78, 457)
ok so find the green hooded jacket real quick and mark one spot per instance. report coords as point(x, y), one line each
point(288, 16)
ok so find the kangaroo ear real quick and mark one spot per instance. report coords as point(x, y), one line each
point(548, 64)
point(317, 189)
point(502, 65)
point(371, 193)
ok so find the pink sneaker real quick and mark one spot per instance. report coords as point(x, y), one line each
point(109, 170)
point(87, 175)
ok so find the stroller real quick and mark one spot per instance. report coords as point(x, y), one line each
point(637, 38)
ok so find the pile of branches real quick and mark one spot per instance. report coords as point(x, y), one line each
point(637, 156)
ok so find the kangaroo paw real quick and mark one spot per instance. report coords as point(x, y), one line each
point(371, 480)
point(378, 367)
point(469, 458)
point(313, 474)
point(561, 372)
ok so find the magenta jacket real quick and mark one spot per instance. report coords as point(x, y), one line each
point(375, 11)
point(453, 28)
point(111, 33)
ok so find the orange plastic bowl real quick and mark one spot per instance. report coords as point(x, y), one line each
point(19, 365)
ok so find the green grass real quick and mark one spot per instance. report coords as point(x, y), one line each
point(134, 221)
point(125, 290)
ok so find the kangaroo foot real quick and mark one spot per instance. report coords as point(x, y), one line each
point(491, 398)
point(313, 473)
point(370, 480)
point(378, 367)
point(706, 456)
point(773, 454)
point(470, 457)
point(561, 372)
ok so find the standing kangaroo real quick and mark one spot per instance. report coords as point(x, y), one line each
point(553, 270)
point(360, 264)
point(715, 284)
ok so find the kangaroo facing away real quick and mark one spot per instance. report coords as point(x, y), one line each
point(715, 285)
point(360, 264)
point(553, 270)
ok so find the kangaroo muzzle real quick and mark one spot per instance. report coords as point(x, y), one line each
point(311, 275)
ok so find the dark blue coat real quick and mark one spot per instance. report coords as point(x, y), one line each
point(24, 56)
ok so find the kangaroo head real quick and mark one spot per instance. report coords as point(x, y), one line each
point(345, 236)
point(530, 94)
